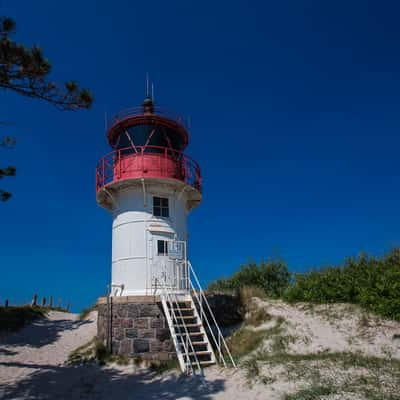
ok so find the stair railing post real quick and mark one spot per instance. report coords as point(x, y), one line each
point(201, 309)
point(219, 347)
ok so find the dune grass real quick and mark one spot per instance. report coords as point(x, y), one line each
point(13, 318)
point(86, 311)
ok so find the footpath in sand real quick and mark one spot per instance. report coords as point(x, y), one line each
point(32, 366)
point(43, 345)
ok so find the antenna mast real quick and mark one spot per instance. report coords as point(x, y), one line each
point(147, 84)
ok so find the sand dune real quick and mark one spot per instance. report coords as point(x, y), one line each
point(33, 361)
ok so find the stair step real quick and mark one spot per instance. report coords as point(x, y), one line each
point(187, 326)
point(182, 337)
point(197, 347)
point(199, 353)
point(209, 362)
point(183, 334)
point(181, 308)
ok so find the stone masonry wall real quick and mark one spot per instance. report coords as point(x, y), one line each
point(139, 328)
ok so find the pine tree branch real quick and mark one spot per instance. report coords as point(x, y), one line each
point(25, 71)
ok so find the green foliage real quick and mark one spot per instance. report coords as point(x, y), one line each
point(370, 282)
point(102, 355)
point(247, 293)
point(312, 393)
point(95, 351)
point(25, 71)
point(272, 277)
point(13, 318)
point(252, 368)
point(86, 311)
point(373, 283)
point(257, 317)
point(83, 354)
point(159, 367)
point(244, 341)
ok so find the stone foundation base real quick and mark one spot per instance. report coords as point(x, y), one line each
point(138, 327)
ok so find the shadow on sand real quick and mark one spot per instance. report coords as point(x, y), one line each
point(41, 332)
point(95, 382)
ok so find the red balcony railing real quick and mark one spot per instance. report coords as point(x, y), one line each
point(147, 162)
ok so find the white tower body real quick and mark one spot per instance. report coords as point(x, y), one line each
point(136, 235)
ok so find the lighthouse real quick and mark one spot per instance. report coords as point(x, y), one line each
point(155, 307)
point(150, 186)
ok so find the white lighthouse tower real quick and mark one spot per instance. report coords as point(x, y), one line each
point(150, 185)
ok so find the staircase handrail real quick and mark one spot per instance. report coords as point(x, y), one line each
point(220, 336)
point(204, 315)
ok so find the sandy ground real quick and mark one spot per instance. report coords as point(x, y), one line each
point(334, 328)
point(32, 361)
point(32, 366)
point(42, 346)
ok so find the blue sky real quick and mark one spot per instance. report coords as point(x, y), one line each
point(295, 123)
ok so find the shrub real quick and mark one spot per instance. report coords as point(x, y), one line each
point(368, 281)
point(271, 277)
point(373, 283)
point(247, 293)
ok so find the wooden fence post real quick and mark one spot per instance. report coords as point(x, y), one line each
point(68, 307)
point(51, 301)
point(6, 303)
point(34, 300)
point(43, 301)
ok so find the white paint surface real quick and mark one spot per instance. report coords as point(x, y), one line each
point(135, 232)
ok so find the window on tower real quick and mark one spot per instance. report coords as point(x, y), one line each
point(162, 247)
point(160, 207)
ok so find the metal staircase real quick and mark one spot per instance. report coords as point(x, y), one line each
point(188, 334)
point(195, 333)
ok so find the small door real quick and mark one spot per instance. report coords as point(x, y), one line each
point(169, 265)
point(160, 268)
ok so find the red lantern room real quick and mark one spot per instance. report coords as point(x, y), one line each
point(148, 143)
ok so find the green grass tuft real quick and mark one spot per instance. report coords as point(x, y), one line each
point(312, 393)
point(258, 317)
point(159, 367)
point(244, 341)
point(13, 318)
point(86, 311)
